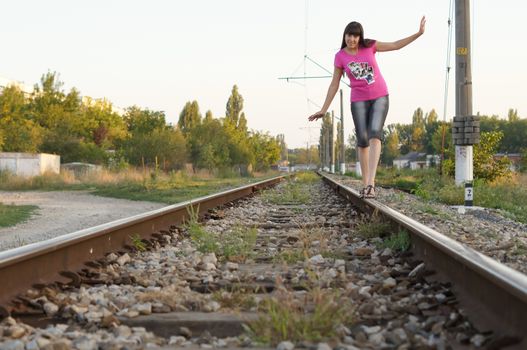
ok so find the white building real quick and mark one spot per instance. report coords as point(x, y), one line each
point(29, 164)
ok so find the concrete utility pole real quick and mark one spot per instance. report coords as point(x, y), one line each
point(343, 141)
point(327, 163)
point(332, 143)
point(465, 128)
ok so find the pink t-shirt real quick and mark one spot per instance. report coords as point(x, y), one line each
point(365, 77)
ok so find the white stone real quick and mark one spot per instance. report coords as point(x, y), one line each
point(85, 343)
point(386, 252)
point(371, 330)
point(177, 340)
point(124, 259)
point(440, 297)
point(339, 262)
point(122, 331)
point(32, 345)
point(12, 345)
point(478, 340)
point(323, 346)
point(389, 283)
point(317, 259)
point(376, 338)
point(212, 306)
point(9, 321)
point(231, 266)
point(207, 267)
point(16, 332)
point(50, 309)
point(112, 257)
point(209, 259)
point(41, 341)
point(143, 309)
point(285, 345)
point(365, 292)
point(208, 279)
point(400, 333)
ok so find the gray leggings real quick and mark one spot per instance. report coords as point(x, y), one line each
point(369, 117)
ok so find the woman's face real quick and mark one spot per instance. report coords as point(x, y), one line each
point(352, 41)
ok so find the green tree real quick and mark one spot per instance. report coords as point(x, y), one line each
point(143, 121)
point(283, 146)
point(235, 126)
point(20, 132)
point(266, 150)
point(209, 145)
point(104, 127)
point(59, 114)
point(512, 115)
point(233, 113)
point(189, 117)
point(431, 125)
point(151, 141)
point(418, 130)
point(485, 166)
point(391, 148)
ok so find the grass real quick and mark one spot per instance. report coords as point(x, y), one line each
point(11, 215)
point(235, 244)
point(133, 184)
point(290, 256)
point(307, 236)
point(314, 317)
point(235, 300)
point(138, 242)
point(295, 191)
point(375, 227)
point(506, 194)
point(397, 242)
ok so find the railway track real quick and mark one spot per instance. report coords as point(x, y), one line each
point(297, 263)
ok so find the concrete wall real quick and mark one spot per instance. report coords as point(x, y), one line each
point(399, 164)
point(29, 164)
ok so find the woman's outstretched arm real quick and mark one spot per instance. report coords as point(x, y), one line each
point(396, 45)
point(332, 90)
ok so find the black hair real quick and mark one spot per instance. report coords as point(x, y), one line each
point(355, 28)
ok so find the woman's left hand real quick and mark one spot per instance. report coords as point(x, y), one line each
point(422, 25)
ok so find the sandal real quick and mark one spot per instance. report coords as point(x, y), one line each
point(362, 192)
point(369, 192)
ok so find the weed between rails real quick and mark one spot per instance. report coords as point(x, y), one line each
point(235, 244)
point(138, 243)
point(373, 228)
point(291, 193)
point(397, 242)
point(235, 300)
point(310, 241)
point(313, 316)
point(376, 228)
point(295, 191)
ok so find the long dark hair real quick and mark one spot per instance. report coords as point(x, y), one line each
point(355, 28)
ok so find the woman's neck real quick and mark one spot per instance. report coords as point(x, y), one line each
point(351, 51)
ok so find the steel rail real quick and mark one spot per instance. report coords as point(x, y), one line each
point(42, 262)
point(489, 289)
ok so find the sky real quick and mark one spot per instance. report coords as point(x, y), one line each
point(160, 54)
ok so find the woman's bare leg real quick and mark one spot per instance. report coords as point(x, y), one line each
point(364, 159)
point(374, 156)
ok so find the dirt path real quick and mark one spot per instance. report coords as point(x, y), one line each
point(64, 212)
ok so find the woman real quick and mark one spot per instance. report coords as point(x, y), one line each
point(369, 94)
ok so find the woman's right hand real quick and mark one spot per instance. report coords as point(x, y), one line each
point(316, 116)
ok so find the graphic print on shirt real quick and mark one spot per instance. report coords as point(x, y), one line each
point(362, 70)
